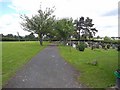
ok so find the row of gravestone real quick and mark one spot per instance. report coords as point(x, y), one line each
point(94, 45)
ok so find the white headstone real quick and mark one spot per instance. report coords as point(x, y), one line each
point(74, 46)
point(67, 44)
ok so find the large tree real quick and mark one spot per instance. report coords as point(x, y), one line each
point(84, 27)
point(40, 23)
point(64, 28)
point(79, 26)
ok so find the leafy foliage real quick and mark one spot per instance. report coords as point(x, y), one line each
point(81, 46)
point(64, 29)
point(84, 28)
point(11, 37)
point(107, 39)
point(40, 24)
point(118, 48)
point(108, 46)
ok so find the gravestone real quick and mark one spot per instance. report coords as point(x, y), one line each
point(74, 45)
point(113, 46)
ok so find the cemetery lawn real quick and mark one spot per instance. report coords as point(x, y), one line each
point(101, 75)
point(17, 54)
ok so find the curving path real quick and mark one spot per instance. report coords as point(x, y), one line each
point(46, 70)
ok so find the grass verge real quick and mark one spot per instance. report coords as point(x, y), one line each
point(99, 76)
point(16, 54)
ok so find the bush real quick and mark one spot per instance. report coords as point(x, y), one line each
point(118, 48)
point(81, 46)
point(103, 46)
point(108, 46)
point(9, 39)
point(107, 39)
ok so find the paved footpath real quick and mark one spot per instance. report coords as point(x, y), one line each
point(46, 70)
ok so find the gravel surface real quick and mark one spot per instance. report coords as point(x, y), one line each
point(46, 70)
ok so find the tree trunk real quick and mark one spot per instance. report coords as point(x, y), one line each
point(79, 37)
point(40, 39)
point(64, 41)
point(41, 42)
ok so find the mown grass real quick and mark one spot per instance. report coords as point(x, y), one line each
point(98, 76)
point(16, 54)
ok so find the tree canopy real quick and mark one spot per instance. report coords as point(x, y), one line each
point(64, 28)
point(84, 27)
point(40, 24)
point(45, 24)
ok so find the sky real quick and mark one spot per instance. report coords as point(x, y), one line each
point(103, 12)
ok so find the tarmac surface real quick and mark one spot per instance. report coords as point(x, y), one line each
point(46, 70)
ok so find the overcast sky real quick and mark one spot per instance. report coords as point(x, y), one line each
point(103, 12)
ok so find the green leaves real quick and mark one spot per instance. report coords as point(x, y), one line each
point(85, 27)
point(39, 23)
point(64, 28)
point(44, 23)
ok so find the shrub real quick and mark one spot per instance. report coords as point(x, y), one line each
point(9, 39)
point(107, 39)
point(103, 46)
point(108, 46)
point(81, 46)
point(118, 48)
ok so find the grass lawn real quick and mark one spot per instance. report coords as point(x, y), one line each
point(98, 76)
point(16, 54)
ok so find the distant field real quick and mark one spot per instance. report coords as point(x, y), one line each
point(16, 54)
point(99, 76)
